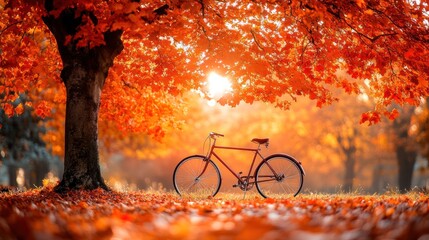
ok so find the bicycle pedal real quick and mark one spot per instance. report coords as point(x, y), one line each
point(235, 185)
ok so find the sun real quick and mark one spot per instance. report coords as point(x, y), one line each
point(218, 85)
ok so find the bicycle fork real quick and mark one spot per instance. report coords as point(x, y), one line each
point(207, 160)
point(198, 178)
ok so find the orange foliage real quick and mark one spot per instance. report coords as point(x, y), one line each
point(139, 215)
point(271, 51)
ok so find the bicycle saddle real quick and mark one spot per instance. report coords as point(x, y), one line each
point(260, 140)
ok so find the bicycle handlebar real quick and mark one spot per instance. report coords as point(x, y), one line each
point(213, 134)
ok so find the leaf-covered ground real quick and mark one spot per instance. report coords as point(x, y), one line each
point(43, 214)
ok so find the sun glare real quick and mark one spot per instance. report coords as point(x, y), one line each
point(218, 85)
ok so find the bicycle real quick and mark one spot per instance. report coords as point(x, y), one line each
point(275, 176)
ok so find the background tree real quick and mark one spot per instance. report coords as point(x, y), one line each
point(348, 146)
point(405, 147)
point(423, 129)
point(344, 134)
point(21, 145)
point(272, 51)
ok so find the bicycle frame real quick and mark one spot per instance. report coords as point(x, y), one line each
point(249, 175)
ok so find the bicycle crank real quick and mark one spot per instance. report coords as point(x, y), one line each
point(243, 185)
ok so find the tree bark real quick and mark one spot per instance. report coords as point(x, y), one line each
point(81, 161)
point(84, 73)
point(37, 172)
point(348, 147)
point(405, 148)
point(12, 175)
point(350, 169)
point(406, 159)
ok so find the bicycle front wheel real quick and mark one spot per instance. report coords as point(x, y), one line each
point(195, 176)
point(279, 176)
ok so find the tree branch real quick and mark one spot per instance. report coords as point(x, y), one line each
point(162, 10)
point(204, 32)
point(256, 40)
point(337, 14)
point(371, 39)
point(127, 84)
point(9, 26)
point(201, 2)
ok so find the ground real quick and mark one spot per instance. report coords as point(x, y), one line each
point(98, 214)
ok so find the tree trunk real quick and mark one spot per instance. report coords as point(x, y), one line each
point(350, 170)
point(405, 148)
point(406, 160)
point(37, 172)
point(81, 161)
point(346, 142)
point(376, 178)
point(84, 72)
point(12, 175)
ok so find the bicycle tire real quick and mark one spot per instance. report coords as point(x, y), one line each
point(185, 179)
point(286, 166)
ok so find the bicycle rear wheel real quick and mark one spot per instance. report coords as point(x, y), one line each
point(188, 181)
point(279, 176)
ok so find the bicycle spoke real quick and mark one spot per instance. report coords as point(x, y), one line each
point(191, 185)
point(290, 189)
point(292, 176)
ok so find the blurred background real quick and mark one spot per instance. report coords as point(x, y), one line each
point(337, 152)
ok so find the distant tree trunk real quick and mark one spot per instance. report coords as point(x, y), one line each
point(350, 169)
point(348, 147)
point(405, 148)
point(38, 170)
point(84, 72)
point(406, 159)
point(376, 178)
point(12, 175)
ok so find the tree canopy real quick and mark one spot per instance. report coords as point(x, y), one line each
point(271, 50)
